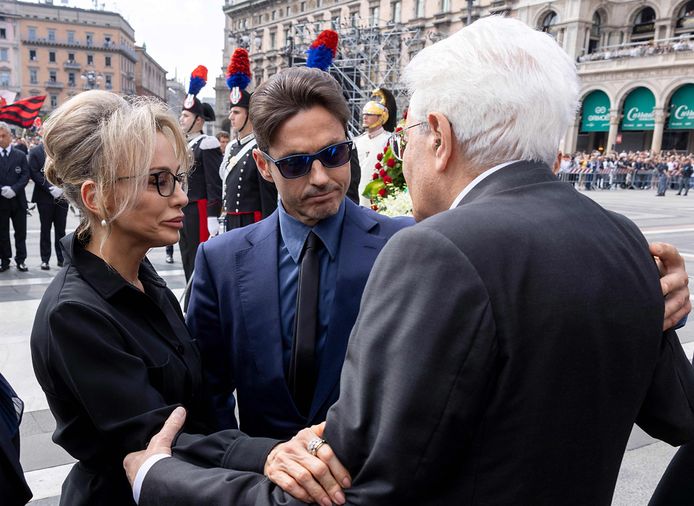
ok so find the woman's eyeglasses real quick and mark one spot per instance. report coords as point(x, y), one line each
point(397, 140)
point(165, 181)
point(294, 166)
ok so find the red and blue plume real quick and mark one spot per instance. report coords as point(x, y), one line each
point(239, 69)
point(198, 79)
point(322, 50)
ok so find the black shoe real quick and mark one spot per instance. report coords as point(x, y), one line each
point(60, 263)
point(22, 267)
point(169, 259)
point(4, 267)
point(45, 266)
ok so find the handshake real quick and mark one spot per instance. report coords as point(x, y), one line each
point(7, 192)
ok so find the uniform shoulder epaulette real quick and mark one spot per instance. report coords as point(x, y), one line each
point(209, 142)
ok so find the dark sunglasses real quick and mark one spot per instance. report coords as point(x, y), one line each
point(165, 181)
point(294, 166)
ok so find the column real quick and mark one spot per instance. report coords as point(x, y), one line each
point(614, 129)
point(568, 143)
point(658, 130)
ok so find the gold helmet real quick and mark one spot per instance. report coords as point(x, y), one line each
point(382, 103)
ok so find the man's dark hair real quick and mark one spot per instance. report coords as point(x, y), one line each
point(289, 92)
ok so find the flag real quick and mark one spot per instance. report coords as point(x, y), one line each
point(22, 112)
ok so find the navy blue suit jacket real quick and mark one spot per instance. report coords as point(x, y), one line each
point(234, 314)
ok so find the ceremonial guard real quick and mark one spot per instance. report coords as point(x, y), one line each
point(52, 207)
point(204, 184)
point(14, 175)
point(379, 117)
point(248, 197)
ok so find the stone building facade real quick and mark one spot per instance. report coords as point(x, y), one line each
point(635, 57)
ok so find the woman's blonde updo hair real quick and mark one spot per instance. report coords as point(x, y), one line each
point(100, 136)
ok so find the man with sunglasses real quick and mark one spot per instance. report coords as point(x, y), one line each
point(245, 296)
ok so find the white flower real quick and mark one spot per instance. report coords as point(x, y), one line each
point(397, 204)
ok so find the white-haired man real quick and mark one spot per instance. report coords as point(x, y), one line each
point(485, 367)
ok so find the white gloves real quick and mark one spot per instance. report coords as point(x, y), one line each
point(7, 192)
point(212, 226)
point(55, 191)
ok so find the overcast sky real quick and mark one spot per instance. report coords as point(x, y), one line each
point(180, 34)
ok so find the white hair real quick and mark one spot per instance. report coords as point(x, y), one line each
point(5, 126)
point(509, 92)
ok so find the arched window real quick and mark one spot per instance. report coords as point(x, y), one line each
point(548, 24)
point(644, 25)
point(685, 18)
point(595, 31)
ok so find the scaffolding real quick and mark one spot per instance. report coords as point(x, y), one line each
point(370, 55)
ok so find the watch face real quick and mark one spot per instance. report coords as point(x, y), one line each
point(189, 102)
point(235, 95)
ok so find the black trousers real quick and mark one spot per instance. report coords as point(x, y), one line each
point(676, 487)
point(52, 214)
point(13, 209)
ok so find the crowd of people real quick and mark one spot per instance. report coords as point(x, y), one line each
point(640, 170)
point(332, 355)
point(650, 48)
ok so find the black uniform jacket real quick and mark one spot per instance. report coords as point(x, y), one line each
point(203, 177)
point(41, 193)
point(113, 362)
point(14, 172)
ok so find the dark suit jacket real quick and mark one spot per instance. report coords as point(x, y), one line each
point(13, 487)
point(41, 193)
point(502, 353)
point(234, 314)
point(14, 172)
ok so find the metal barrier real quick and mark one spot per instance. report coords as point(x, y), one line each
point(612, 178)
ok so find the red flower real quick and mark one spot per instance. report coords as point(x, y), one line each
point(379, 157)
point(382, 192)
point(374, 207)
point(399, 129)
point(385, 149)
point(375, 175)
point(391, 162)
point(382, 172)
point(387, 179)
point(378, 165)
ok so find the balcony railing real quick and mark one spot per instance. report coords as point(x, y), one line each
point(72, 64)
point(106, 46)
point(57, 85)
point(640, 49)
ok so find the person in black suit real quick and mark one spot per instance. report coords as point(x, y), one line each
point(485, 367)
point(52, 208)
point(14, 176)
point(13, 487)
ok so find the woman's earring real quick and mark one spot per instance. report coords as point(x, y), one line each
point(103, 223)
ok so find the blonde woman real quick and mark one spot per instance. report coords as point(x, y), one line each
point(109, 344)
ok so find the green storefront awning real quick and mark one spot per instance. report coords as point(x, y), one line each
point(638, 110)
point(682, 109)
point(596, 112)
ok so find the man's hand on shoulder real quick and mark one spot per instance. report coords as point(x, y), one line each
point(310, 478)
point(673, 281)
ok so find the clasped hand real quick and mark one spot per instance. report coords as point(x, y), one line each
point(7, 192)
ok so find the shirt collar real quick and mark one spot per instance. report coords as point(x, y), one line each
point(8, 149)
point(477, 181)
point(247, 138)
point(294, 232)
point(99, 274)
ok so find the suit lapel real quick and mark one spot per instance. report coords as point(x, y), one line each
point(358, 251)
point(258, 286)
